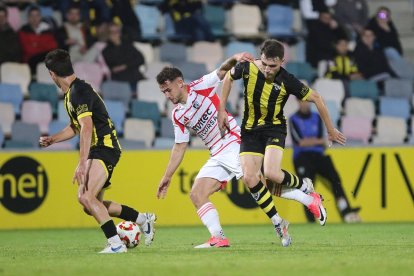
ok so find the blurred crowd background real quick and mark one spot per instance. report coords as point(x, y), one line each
point(357, 53)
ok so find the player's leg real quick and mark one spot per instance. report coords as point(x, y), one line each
point(327, 170)
point(145, 221)
point(204, 187)
point(96, 179)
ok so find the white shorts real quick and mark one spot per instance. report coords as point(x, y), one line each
point(224, 166)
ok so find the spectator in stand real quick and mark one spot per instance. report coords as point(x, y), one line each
point(75, 38)
point(310, 9)
point(189, 21)
point(122, 58)
point(383, 27)
point(123, 11)
point(342, 66)
point(370, 58)
point(9, 51)
point(36, 38)
point(352, 14)
point(310, 159)
point(321, 38)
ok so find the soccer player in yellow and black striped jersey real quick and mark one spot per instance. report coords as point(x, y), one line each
point(99, 151)
point(267, 87)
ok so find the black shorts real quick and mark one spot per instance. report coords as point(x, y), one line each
point(256, 141)
point(109, 158)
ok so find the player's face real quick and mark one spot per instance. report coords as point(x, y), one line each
point(270, 66)
point(173, 90)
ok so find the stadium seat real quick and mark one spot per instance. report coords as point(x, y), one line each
point(16, 73)
point(330, 90)
point(117, 91)
point(363, 89)
point(40, 113)
point(167, 128)
point(7, 117)
point(394, 107)
point(44, 92)
point(149, 91)
point(147, 50)
point(216, 17)
point(209, 53)
point(245, 21)
point(131, 144)
point(154, 68)
point(149, 18)
point(116, 111)
point(11, 93)
point(1, 138)
point(42, 74)
point(280, 21)
point(173, 52)
point(301, 70)
point(163, 143)
point(90, 72)
point(235, 47)
point(412, 131)
point(356, 129)
point(139, 130)
point(192, 70)
point(297, 52)
point(358, 107)
point(398, 88)
point(54, 127)
point(169, 108)
point(62, 115)
point(24, 135)
point(334, 111)
point(146, 110)
point(390, 131)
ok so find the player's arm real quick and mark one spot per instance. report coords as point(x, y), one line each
point(65, 134)
point(333, 134)
point(177, 155)
point(86, 128)
point(230, 62)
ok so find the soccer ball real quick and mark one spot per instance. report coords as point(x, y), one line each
point(129, 233)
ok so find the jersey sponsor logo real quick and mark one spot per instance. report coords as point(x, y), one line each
point(206, 116)
point(275, 140)
point(196, 105)
point(246, 76)
point(209, 125)
point(304, 91)
point(276, 86)
point(23, 184)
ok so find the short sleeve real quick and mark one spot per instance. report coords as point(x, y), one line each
point(297, 88)
point(207, 81)
point(237, 71)
point(181, 133)
point(82, 103)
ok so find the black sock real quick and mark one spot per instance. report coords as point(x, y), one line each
point(109, 229)
point(128, 213)
point(264, 199)
point(291, 180)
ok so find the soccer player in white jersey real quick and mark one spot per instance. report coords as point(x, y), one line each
point(197, 106)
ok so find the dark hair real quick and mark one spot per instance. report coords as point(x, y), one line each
point(58, 61)
point(33, 8)
point(168, 74)
point(4, 9)
point(272, 48)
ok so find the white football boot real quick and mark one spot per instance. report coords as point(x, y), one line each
point(282, 233)
point(114, 248)
point(147, 228)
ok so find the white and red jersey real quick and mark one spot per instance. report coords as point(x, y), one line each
point(199, 113)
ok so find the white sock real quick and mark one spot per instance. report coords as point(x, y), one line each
point(297, 195)
point(210, 218)
point(114, 240)
point(342, 204)
point(141, 218)
point(276, 219)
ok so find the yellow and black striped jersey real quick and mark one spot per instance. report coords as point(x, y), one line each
point(264, 100)
point(341, 67)
point(82, 100)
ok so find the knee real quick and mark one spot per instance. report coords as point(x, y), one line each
point(84, 200)
point(195, 197)
point(250, 180)
point(274, 175)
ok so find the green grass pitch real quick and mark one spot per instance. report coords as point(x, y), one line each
point(336, 249)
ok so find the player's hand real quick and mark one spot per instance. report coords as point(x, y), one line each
point(80, 174)
point(223, 122)
point(244, 57)
point(336, 136)
point(163, 187)
point(45, 141)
